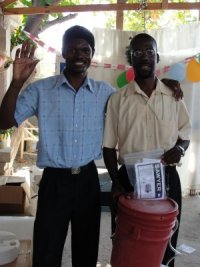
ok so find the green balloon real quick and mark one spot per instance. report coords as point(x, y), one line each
point(121, 80)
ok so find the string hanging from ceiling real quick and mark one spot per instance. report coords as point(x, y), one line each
point(142, 7)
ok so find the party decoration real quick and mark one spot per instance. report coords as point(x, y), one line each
point(177, 72)
point(130, 75)
point(121, 80)
point(5, 61)
point(125, 77)
point(193, 70)
point(39, 42)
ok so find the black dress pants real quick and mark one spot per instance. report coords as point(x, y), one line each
point(174, 192)
point(64, 197)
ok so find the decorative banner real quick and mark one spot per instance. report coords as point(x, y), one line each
point(193, 70)
point(176, 71)
point(41, 43)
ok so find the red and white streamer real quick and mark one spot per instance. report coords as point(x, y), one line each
point(95, 64)
point(41, 43)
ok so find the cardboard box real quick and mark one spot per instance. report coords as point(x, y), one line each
point(12, 199)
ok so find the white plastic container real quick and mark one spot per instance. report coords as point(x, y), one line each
point(9, 247)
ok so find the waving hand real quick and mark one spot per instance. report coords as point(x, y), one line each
point(24, 62)
point(23, 66)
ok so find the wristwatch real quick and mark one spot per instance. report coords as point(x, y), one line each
point(181, 149)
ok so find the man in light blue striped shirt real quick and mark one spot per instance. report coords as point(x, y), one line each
point(70, 120)
point(70, 109)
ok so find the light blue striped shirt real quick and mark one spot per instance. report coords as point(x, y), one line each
point(70, 122)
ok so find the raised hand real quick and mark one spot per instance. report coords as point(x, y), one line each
point(24, 62)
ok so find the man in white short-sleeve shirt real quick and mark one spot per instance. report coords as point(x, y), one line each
point(142, 117)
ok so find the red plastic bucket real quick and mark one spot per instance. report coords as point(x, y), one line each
point(143, 230)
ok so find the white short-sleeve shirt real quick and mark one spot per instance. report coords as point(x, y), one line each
point(135, 122)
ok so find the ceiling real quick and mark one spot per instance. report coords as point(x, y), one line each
point(164, 5)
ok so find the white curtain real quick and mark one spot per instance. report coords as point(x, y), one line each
point(174, 45)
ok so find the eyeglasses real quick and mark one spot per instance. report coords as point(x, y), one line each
point(140, 53)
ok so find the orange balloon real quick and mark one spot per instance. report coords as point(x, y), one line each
point(193, 71)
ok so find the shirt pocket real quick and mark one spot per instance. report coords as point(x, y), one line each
point(167, 133)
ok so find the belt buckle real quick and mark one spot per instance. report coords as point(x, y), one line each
point(75, 170)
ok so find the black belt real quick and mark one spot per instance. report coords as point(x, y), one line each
point(76, 170)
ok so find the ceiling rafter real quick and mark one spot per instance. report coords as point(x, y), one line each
point(6, 3)
point(164, 5)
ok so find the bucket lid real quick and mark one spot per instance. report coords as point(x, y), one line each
point(156, 207)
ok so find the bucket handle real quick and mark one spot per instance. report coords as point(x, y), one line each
point(134, 233)
point(170, 244)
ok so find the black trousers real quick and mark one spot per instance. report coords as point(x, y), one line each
point(174, 191)
point(64, 197)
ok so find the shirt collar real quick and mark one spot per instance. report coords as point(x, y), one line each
point(133, 88)
point(63, 80)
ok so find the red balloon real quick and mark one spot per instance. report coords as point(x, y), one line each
point(130, 75)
